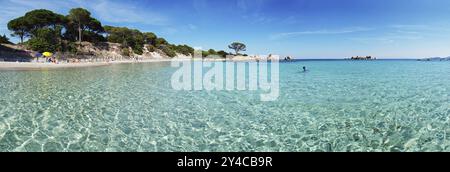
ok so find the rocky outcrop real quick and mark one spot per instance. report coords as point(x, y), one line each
point(114, 51)
point(14, 53)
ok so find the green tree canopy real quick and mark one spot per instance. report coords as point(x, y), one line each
point(150, 38)
point(44, 40)
point(222, 53)
point(41, 18)
point(212, 52)
point(127, 37)
point(32, 21)
point(80, 19)
point(168, 50)
point(49, 31)
point(20, 27)
point(237, 47)
point(118, 34)
point(184, 49)
point(205, 54)
point(95, 26)
point(160, 42)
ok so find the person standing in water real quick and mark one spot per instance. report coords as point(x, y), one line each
point(304, 68)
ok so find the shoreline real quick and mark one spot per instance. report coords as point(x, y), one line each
point(5, 66)
point(44, 66)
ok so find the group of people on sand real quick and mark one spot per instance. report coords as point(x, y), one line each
point(51, 60)
point(73, 61)
point(48, 58)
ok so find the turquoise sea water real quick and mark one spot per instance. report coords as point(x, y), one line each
point(337, 106)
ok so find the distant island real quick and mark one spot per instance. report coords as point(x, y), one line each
point(363, 58)
point(436, 59)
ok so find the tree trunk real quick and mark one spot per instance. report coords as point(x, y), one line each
point(21, 39)
point(79, 33)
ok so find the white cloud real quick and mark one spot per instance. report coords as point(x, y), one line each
point(318, 32)
point(388, 38)
point(437, 30)
point(125, 13)
point(408, 26)
point(258, 18)
point(252, 11)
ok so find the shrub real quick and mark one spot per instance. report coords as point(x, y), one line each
point(69, 47)
point(43, 41)
point(205, 53)
point(184, 49)
point(125, 52)
point(222, 53)
point(160, 42)
point(138, 50)
point(169, 51)
point(212, 52)
point(40, 45)
point(149, 38)
point(151, 48)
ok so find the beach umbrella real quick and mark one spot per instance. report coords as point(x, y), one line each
point(47, 54)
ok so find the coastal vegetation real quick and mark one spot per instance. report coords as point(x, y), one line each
point(81, 20)
point(237, 47)
point(215, 54)
point(43, 30)
point(4, 40)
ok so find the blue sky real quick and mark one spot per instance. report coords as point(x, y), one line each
point(300, 28)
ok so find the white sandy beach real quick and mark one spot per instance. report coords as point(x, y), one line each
point(38, 66)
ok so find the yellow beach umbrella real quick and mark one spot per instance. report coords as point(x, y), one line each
point(47, 54)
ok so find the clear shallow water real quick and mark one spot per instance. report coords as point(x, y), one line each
point(337, 106)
